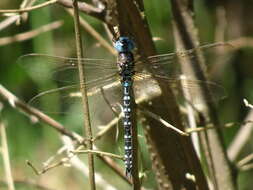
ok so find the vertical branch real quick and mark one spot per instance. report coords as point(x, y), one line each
point(6, 158)
point(182, 14)
point(138, 27)
point(87, 124)
point(190, 116)
point(187, 96)
point(94, 34)
point(173, 156)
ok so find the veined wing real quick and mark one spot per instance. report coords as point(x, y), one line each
point(166, 69)
point(93, 87)
point(64, 71)
point(43, 67)
point(182, 83)
point(66, 100)
point(170, 64)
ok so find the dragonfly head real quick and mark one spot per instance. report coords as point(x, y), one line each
point(124, 44)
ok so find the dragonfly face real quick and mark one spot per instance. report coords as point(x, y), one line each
point(124, 44)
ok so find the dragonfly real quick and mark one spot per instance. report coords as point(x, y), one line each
point(126, 71)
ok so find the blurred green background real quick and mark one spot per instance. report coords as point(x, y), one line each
point(38, 142)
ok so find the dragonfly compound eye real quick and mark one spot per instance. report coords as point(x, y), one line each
point(124, 44)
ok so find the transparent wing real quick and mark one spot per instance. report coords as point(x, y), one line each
point(63, 96)
point(169, 65)
point(64, 70)
point(65, 104)
point(167, 69)
point(179, 85)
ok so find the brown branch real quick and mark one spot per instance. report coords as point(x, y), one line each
point(85, 104)
point(241, 138)
point(107, 127)
point(162, 143)
point(100, 153)
point(85, 8)
point(78, 164)
point(49, 167)
point(72, 160)
point(17, 18)
point(245, 161)
point(32, 112)
point(218, 160)
point(28, 8)
point(6, 158)
point(30, 34)
point(242, 42)
point(162, 121)
point(95, 34)
point(8, 21)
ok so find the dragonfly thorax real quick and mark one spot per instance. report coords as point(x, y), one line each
point(126, 64)
point(126, 58)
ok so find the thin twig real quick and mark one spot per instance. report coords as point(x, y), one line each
point(108, 127)
point(33, 167)
point(8, 21)
point(29, 8)
point(32, 112)
point(245, 160)
point(6, 158)
point(17, 17)
point(78, 164)
point(95, 34)
point(60, 151)
point(241, 138)
point(86, 114)
point(190, 113)
point(246, 167)
point(247, 104)
point(242, 42)
point(162, 121)
point(99, 153)
point(50, 166)
point(209, 126)
point(30, 34)
point(72, 160)
point(47, 168)
point(86, 8)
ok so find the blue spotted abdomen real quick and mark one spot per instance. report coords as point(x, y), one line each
point(127, 124)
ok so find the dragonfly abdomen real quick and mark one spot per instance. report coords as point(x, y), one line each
point(124, 46)
point(127, 124)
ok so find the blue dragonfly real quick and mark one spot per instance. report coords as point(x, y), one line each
point(132, 75)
